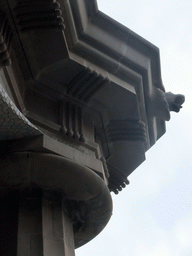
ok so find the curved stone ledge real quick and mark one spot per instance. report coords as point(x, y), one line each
point(27, 170)
point(14, 125)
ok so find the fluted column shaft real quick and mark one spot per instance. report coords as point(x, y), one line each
point(34, 226)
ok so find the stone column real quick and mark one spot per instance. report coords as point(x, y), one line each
point(50, 205)
point(31, 225)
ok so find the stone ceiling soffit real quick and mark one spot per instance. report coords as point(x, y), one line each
point(87, 36)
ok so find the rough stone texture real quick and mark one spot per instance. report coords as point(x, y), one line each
point(14, 124)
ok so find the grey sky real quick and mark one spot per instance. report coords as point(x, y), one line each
point(153, 215)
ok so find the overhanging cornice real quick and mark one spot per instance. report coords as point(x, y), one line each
point(95, 65)
point(90, 32)
point(95, 37)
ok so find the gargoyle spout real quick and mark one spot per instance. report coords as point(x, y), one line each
point(162, 103)
point(175, 101)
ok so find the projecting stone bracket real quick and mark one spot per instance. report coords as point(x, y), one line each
point(38, 14)
point(71, 121)
point(127, 129)
point(119, 132)
point(85, 84)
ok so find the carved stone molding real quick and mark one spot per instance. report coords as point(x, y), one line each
point(117, 179)
point(85, 84)
point(128, 129)
point(71, 121)
point(5, 40)
point(38, 14)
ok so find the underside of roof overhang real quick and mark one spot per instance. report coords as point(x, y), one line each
point(69, 51)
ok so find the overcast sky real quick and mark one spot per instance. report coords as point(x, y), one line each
point(153, 215)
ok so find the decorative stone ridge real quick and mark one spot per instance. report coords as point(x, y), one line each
point(126, 130)
point(71, 121)
point(117, 180)
point(85, 84)
point(13, 124)
point(5, 40)
point(38, 14)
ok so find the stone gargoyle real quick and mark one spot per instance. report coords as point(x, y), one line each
point(163, 102)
